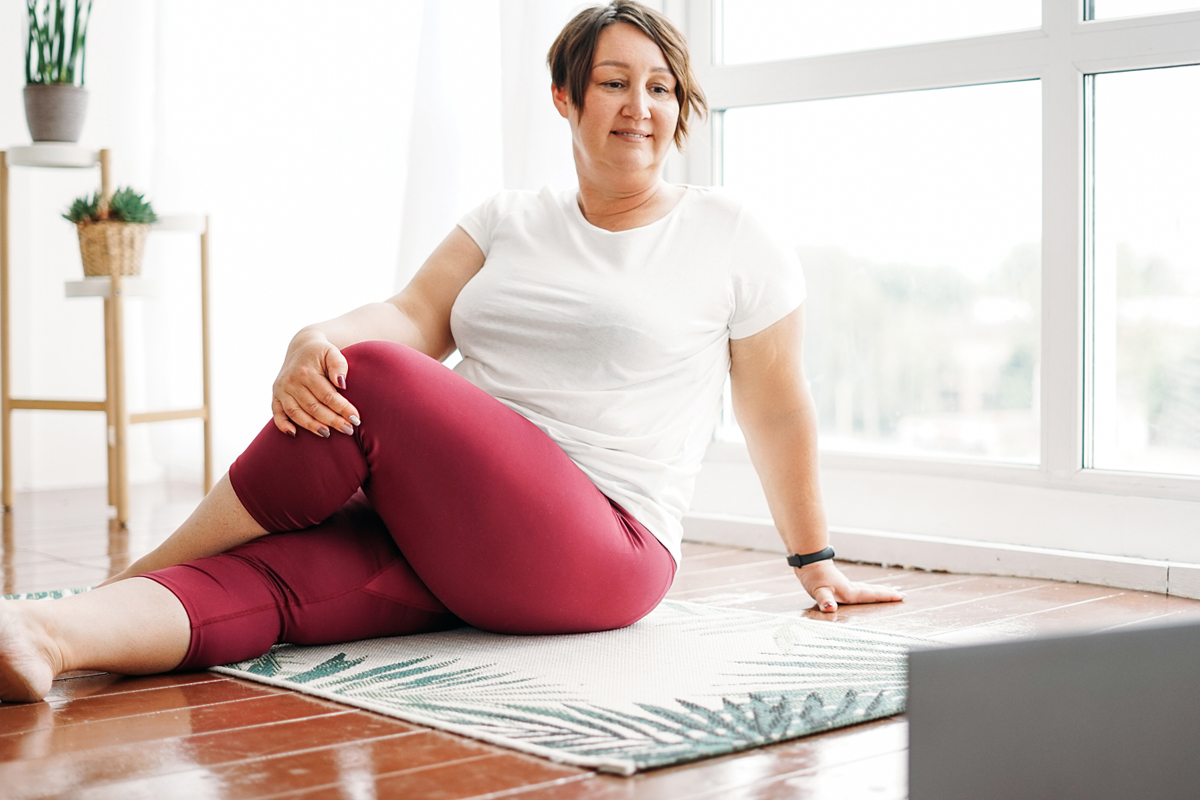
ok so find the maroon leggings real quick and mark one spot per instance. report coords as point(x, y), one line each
point(445, 507)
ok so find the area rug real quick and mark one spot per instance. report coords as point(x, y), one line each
point(687, 682)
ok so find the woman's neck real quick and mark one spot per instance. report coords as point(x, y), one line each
point(622, 211)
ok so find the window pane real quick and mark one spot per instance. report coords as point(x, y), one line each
point(917, 217)
point(1106, 9)
point(769, 30)
point(1146, 359)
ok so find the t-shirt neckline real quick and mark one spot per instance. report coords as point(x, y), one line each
point(572, 199)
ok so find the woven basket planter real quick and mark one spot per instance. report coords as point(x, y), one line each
point(112, 247)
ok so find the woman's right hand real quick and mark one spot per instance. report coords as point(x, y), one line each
point(305, 395)
point(306, 391)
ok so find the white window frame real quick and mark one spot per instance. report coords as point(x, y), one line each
point(1060, 54)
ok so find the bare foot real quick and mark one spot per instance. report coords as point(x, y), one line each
point(27, 664)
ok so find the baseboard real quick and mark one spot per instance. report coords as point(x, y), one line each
point(960, 555)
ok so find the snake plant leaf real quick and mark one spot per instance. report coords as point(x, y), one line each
point(56, 45)
point(60, 44)
point(70, 68)
point(30, 39)
point(83, 43)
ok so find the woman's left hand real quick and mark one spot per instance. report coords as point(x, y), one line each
point(826, 584)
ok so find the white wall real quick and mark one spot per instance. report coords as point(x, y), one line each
point(288, 123)
point(58, 344)
point(332, 145)
point(967, 507)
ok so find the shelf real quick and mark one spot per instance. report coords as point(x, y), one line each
point(189, 223)
point(137, 285)
point(131, 285)
point(62, 155)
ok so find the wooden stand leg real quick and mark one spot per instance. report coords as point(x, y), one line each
point(118, 417)
point(110, 411)
point(106, 173)
point(5, 365)
point(8, 559)
point(120, 413)
point(110, 358)
point(205, 355)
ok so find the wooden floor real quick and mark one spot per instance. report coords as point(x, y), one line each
point(202, 735)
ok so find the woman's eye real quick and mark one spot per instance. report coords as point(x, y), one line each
point(613, 84)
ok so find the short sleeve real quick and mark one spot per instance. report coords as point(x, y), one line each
point(768, 283)
point(480, 222)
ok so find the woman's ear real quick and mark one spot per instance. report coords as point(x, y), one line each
point(559, 93)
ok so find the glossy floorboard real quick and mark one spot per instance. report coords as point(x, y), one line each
point(203, 735)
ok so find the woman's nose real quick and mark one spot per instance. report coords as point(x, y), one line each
point(638, 106)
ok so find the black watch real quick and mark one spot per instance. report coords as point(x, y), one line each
point(797, 560)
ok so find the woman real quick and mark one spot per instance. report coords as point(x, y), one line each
point(536, 489)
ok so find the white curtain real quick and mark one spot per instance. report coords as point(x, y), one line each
point(482, 116)
point(455, 143)
point(333, 145)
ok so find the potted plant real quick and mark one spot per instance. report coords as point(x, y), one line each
point(55, 100)
point(112, 231)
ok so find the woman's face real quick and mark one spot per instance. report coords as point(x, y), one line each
point(630, 110)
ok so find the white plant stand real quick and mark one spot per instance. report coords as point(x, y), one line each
point(112, 290)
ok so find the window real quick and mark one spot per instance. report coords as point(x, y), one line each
point(768, 30)
point(917, 217)
point(1146, 271)
point(1106, 9)
point(1001, 232)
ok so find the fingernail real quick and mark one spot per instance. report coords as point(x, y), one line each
point(324, 432)
point(346, 429)
point(354, 420)
point(291, 434)
point(829, 606)
point(341, 379)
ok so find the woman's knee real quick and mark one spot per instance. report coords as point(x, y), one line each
point(379, 368)
point(382, 355)
point(393, 379)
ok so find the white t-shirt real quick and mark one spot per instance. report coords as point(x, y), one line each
point(616, 344)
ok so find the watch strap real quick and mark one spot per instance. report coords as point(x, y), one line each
point(797, 560)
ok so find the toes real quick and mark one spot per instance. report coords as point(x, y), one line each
point(25, 674)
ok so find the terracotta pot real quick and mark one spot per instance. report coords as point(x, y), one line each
point(55, 111)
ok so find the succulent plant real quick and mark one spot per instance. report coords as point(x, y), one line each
point(128, 206)
point(125, 205)
point(84, 209)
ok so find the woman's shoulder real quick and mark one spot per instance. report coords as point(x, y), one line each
point(722, 214)
point(711, 212)
point(508, 207)
point(508, 202)
point(714, 202)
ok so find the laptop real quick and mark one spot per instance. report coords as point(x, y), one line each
point(1102, 716)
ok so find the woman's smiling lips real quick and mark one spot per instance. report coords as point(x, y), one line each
point(633, 136)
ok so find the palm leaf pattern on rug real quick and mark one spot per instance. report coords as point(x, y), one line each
point(421, 680)
point(668, 736)
point(50, 594)
point(687, 682)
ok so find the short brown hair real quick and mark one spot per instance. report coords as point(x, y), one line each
point(572, 53)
